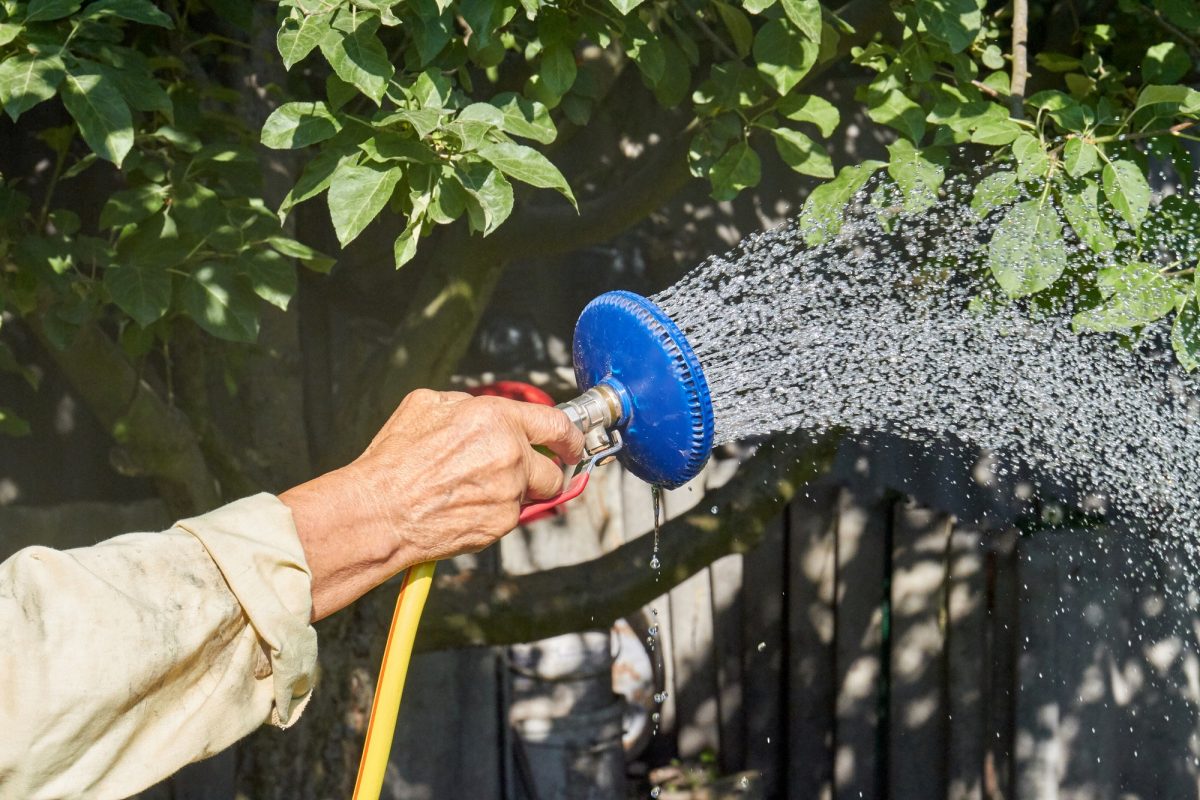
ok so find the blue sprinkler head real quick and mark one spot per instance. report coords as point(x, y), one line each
point(630, 350)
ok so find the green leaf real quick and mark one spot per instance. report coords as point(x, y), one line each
point(526, 165)
point(27, 80)
point(132, 205)
point(9, 31)
point(142, 11)
point(955, 22)
point(993, 192)
point(405, 246)
point(917, 175)
point(1026, 253)
point(140, 289)
point(812, 109)
point(1186, 98)
point(557, 69)
point(220, 303)
point(316, 176)
point(821, 217)
point(487, 194)
point(1126, 188)
point(299, 37)
point(1062, 108)
point(1057, 62)
point(313, 259)
point(1185, 334)
point(140, 90)
point(1032, 160)
point(757, 6)
point(11, 424)
point(806, 16)
point(391, 146)
point(738, 25)
point(432, 90)
point(1136, 294)
point(993, 57)
point(423, 121)
point(1166, 63)
point(1081, 206)
point(738, 169)
point(783, 55)
point(802, 154)
point(95, 102)
point(46, 10)
point(525, 118)
point(1080, 157)
point(294, 125)
point(358, 57)
point(896, 110)
point(672, 88)
point(996, 132)
point(271, 276)
point(1183, 13)
point(357, 195)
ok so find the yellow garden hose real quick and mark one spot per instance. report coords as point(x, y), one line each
point(396, 655)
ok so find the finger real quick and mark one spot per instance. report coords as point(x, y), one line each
point(550, 427)
point(545, 477)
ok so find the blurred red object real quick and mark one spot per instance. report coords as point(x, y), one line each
point(526, 393)
point(513, 390)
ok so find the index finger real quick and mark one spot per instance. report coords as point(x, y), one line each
point(551, 427)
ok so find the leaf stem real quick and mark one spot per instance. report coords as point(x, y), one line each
point(61, 158)
point(717, 40)
point(1174, 130)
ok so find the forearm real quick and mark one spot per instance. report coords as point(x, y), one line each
point(125, 661)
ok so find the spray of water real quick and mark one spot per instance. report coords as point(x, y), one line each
point(882, 328)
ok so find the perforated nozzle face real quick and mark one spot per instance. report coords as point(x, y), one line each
point(626, 341)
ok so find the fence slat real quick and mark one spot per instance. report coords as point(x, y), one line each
point(696, 718)
point(966, 617)
point(727, 589)
point(917, 711)
point(811, 576)
point(762, 641)
point(1001, 657)
point(861, 560)
point(1038, 760)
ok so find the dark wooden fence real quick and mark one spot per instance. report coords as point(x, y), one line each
point(901, 632)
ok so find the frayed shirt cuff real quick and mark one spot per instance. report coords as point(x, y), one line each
point(254, 544)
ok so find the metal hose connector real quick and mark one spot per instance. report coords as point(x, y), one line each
point(595, 413)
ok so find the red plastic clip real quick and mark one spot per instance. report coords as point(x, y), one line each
point(573, 490)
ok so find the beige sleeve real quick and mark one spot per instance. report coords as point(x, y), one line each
point(121, 663)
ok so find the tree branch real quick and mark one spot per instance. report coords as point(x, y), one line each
point(159, 438)
point(1020, 58)
point(479, 609)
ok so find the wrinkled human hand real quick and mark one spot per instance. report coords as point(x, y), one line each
point(447, 474)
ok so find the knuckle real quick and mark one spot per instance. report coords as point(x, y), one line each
point(421, 397)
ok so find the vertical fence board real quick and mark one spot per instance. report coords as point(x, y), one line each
point(727, 589)
point(1001, 630)
point(696, 718)
point(811, 577)
point(762, 638)
point(861, 559)
point(1038, 712)
point(917, 711)
point(966, 616)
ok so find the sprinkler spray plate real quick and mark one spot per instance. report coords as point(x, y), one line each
point(629, 353)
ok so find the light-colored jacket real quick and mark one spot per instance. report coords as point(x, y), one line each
point(122, 662)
